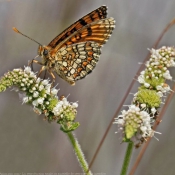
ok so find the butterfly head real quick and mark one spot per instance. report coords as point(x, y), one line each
point(43, 52)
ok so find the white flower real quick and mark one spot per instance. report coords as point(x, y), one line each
point(134, 108)
point(75, 105)
point(45, 82)
point(16, 70)
point(142, 73)
point(54, 91)
point(26, 76)
point(23, 80)
point(124, 112)
point(61, 102)
point(34, 88)
point(120, 121)
point(143, 128)
point(35, 94)
point(143, 105)
point(146, 85)
point(35, 103)
point(31, 81)
point(172, 63)
point(41, 87)
point(153, 110)
point(65, 102)
point(159, 87)
point(47, 103)
point(48, 89)
point(25, 99)
point(38, 80)
point(56, 110)
point(147, 64)
point(167, 88)
point(160, 94)
point(24, 89)
point(40, 100)
point(141, 79)
point(27, 69)
point(167, 75)
point(32, 75)
point(145, 116)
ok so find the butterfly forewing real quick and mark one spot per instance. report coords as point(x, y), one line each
point(78, 60)
point(100, 13)
point(98, 31)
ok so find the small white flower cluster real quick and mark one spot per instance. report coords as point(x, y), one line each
point(134, 120)
point(136, 123)
point(63, 106)
point(38, 90)
point(41, 95)
point(160, 60)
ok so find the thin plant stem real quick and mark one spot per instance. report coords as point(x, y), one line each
point(154, 128)
point(80, 156)
point(127, 158)
point(128, 91)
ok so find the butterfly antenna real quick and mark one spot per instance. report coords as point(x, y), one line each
point(17, 31)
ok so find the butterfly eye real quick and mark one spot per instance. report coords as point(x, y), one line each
point(45, 52)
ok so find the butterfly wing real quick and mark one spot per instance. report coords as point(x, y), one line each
point(77, 61)
point(98, 31)
point(100, 13)
point(78, 47)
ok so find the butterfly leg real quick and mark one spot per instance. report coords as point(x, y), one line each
point(34, 61)
point(53, 79)
point(37, 62)
point(45, 74)
point(41, 70)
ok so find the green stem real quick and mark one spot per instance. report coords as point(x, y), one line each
point(80, 156)
point(127, 158)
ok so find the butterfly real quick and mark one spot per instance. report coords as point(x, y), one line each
point(74, 53)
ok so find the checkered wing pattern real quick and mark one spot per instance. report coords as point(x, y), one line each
point(78, 60)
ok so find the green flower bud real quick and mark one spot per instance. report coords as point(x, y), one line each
point(129, 131)
point(148, 97)
point(52, 103)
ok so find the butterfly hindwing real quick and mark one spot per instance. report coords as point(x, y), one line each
point(100, 13)
point(78, 60)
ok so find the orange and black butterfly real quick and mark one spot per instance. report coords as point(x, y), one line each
point(74, 53)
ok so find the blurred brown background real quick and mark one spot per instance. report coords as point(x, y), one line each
point(27, 143)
